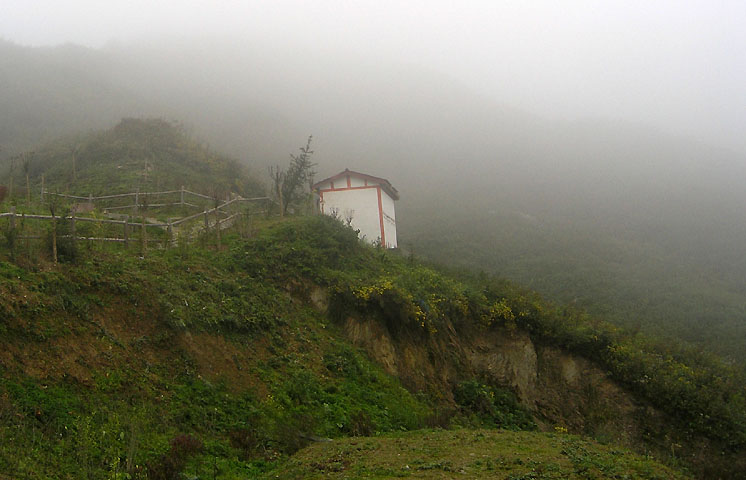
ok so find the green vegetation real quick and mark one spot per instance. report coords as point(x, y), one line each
point(115, 372)
point(491, 405)
point(136, 155)
point(291, 186)
point(670, 274)
point(214, 361)
point(469, 454)
point(706, 394)
point(642, 229)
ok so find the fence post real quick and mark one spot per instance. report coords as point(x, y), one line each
point(42, 188)
point(90, 198)
point(170, 233)
point(54, 238)
point(12, 218)
point(207, 221)
point(182, 196)
point(126, 230)
point(73, 236)
point(143, 238)
point(217, 229)
point(137, 200)
point(28, 240)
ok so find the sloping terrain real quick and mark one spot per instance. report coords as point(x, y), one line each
point(135, 155)
point(222, 362)
point(492, 454)
point(107, 364)
point(643, 228)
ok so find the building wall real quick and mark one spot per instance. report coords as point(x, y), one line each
point(361, 205)
point(357, 181)
point(389, 220)
point(368, 206)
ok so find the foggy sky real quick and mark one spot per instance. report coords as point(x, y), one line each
point(679, 66)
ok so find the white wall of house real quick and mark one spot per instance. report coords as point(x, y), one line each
point(366, 204)
point(359, 205)
point(389, 220)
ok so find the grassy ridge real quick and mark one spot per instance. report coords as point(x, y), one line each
point(145, 154)
point(469, 454)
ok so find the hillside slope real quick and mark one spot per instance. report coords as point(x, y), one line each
point(468, 454)
point(229, 360)
point(661, 214)
point(639, 275)
point(135, 155)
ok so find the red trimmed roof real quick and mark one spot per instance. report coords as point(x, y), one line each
point(385, 184)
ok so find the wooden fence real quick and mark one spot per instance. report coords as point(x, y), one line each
point(217, 218)
point(140, 199)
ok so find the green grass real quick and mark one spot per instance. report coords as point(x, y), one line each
point(112, 357)
point(495, 454)
point(145, 154)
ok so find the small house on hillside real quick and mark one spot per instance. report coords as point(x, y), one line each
point(364, 201)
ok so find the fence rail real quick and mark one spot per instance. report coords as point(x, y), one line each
point(94, 198)
point(129, 227)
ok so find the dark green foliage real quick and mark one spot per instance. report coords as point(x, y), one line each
point(311, 247)
point(295, 182)
point(124, 419)
point(67, 247)
point(357, 398)
point(170, 465)
point(704, 393)
point(11, 239)
point(50, 406)
point(493, 405)
point(241, 304)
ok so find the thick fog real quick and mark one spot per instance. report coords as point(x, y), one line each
point(675, 65)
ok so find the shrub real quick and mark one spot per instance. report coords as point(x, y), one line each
point(361, 425)
point(169, 465)
point(493, 405)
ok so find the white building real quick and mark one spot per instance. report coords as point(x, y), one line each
point(365, 201)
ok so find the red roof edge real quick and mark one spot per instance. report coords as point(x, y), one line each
point(385, 184)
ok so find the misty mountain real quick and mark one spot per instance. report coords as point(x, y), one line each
point(632, 223)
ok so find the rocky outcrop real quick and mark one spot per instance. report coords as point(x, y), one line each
point(563, 390)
